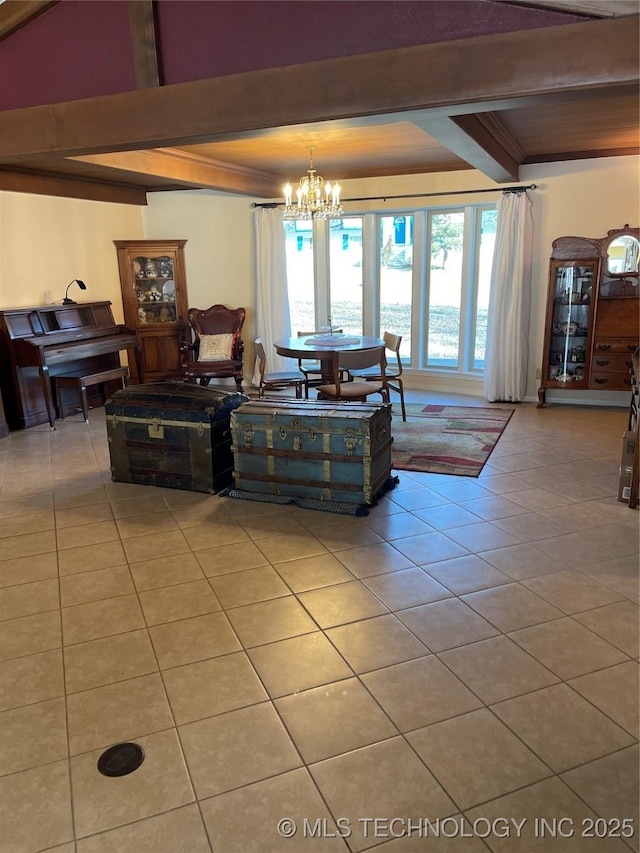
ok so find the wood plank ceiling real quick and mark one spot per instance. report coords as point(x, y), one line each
point(493, 103)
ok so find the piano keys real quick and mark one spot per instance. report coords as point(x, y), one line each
point(39, 343)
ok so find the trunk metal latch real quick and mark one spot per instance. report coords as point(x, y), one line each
point(156, 429)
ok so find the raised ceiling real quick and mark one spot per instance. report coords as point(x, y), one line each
point(492, 103)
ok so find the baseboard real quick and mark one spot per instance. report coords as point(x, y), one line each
point(575, 400)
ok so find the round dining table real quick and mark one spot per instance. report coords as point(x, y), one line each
point(310, 348)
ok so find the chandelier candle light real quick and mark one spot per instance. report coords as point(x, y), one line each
point(317, 198)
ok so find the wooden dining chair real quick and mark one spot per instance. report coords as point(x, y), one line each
point(393, 373)
point(356, 390)
point(312, 369)
point(279, 380)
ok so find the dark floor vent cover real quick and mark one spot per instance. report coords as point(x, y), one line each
point(121, 759)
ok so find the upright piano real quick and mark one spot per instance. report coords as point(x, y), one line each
point(39, 343)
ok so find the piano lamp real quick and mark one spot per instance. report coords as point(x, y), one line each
point(81, 285)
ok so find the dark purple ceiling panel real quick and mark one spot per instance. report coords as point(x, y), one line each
point(211, 39)
point(77, 49)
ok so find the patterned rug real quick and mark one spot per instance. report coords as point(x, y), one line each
point(446, 439)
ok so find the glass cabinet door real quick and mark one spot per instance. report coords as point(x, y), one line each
point(155, 289)
point(568, 338)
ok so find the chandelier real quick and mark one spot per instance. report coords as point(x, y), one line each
point(317, 198)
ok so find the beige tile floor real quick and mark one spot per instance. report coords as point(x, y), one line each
point(465, 654)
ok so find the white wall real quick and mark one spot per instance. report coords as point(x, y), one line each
point(219, 254)
point(220, 249)
point(45, 242)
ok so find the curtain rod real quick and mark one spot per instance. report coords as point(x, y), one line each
point(517, 189)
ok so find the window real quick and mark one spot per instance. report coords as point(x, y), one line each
point(299, 251)
point(486, 222)
point(345, 274)
point(443, 289)
point(396, 278)
point(422, 274)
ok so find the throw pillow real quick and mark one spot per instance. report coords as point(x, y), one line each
point(215, 347)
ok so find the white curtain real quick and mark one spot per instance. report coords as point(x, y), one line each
point(507, 349)
point(272, 302)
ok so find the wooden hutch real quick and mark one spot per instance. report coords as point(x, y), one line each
point(154, 297)
point(593, 318)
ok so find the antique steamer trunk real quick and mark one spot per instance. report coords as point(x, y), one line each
point(172, 434)
point(322, 451)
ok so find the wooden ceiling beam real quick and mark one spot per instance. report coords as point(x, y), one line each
point(19, 181)
point(595, 8)
point(448, 78)
point(143, 43)
point(480, 140)
point(189, 170)
point(582, 155)
point(14, 14)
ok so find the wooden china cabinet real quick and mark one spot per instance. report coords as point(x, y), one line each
point(593, 313)
point(154, 296)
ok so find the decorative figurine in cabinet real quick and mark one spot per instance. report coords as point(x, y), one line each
point(154, 295)
point(592, 313)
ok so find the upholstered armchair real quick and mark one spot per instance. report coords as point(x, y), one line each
point(216, 348)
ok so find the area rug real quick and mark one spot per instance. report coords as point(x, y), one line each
point(446, 439)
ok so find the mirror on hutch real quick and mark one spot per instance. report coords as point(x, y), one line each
point(592, 323)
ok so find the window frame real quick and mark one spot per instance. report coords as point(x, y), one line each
point(420, 282)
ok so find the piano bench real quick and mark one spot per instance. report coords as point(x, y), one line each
point(81, 380)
